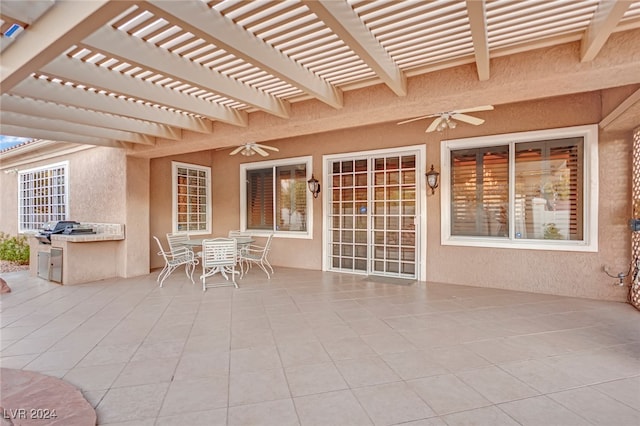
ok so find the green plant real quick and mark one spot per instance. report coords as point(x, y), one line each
point(14, 249)
point(551, 232)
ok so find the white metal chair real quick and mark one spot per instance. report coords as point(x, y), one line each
point(173, 259)
point(254, 254)
point(177, 240)
point(219, 255)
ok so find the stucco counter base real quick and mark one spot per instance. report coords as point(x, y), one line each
point(85, 258)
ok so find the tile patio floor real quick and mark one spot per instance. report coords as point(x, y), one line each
point(313, 348)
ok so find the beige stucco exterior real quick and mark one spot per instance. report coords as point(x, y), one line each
point(555, 272)
point(107, 185)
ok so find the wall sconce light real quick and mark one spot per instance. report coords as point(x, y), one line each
point(432, 179)
point(314, 186)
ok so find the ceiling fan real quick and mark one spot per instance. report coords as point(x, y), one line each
point(250, 148)
point(444, 120)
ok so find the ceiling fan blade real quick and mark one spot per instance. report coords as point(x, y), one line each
point(468, 119)
point(416, 119)
point(433, 125)
point(259, 150)
point(475, 109)
point(272, 148)
point(237, 150)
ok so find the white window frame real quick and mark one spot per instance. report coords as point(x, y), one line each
point(589, 243)
point(65, 166)
point(174, 190)
point(244, 167)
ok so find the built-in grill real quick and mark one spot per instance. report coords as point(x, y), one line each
point(66, 227)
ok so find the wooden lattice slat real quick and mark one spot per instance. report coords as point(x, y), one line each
point(634, 292)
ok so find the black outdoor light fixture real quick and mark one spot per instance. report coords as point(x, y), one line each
point(432, 179)
point(314, 186)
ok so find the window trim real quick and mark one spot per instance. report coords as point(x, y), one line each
point(244, 167)
point(590, 188)
point(61, 164)
point(174, 196)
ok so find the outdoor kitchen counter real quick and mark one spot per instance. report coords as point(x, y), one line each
point(87, 238)
point(85, 257)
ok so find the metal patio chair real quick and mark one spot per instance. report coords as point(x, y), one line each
point(177, 240)
point(175, 258)
point(254, 254)
point(219, 255)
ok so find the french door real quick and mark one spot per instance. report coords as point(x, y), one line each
point(373, 214)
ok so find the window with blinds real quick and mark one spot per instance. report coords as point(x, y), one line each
point(191, 194)
point(260, 199)
point(548, 186)
point(525, 190)
point(43, 196)
point(276, 196)
point(480, 192)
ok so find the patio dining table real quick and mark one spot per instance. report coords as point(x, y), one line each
point(241, 242)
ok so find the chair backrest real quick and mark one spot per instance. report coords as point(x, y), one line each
point(177, 240)
point(219, 252)
point(267, 246)
point(161, 252)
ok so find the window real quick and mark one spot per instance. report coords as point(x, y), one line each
point(43, 196)
point(522, 190)
point(274, 197)
point(191, 198)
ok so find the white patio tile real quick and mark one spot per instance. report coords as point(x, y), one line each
point(492, 416)
point(295, 354)
point(447, 394)
point(458, 358)
point(314, 378)
point(323, 355)
point(258, 386)
point(271, 413)
point(90, 378)
point(496, 385)
point(392, 403)
point(348, 348)
point(147, 372)
point(255, 359)
point(366, 371)
point(414, 364)
point(198, 418)
point(331, 408)
point(189, 396)
point(626, 391)
point(131, 403)
point(599, 409)
point(542, 410)
point(109, 354)
point(540, 376)
point(387, 343)
point(196, 366)
point(163, 349)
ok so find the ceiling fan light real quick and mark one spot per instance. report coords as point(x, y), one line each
point(452, 124)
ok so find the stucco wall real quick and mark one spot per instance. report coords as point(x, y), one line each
point(160, 197)
point(97, 188)
point(564, 273)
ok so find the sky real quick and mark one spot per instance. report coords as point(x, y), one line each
point(9, 141)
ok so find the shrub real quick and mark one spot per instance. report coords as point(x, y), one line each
point(14, 249)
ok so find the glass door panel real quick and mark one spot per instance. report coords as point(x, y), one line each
point(372, 217)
